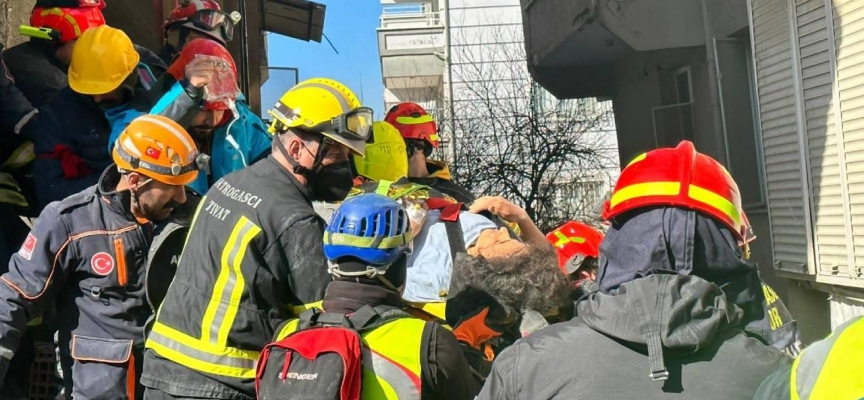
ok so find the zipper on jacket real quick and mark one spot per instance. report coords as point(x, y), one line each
point(122, 274)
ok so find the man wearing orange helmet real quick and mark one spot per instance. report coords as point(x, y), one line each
point(193, 19)
point(420, 132)
point(675, 291)
point(578, 247)
point(87, 253)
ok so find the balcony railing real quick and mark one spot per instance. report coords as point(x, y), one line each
point(406, 16)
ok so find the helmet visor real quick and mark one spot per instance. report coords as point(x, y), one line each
point(353, 125)
point(211, 20)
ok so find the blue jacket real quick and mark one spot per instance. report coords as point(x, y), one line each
point(247, 142)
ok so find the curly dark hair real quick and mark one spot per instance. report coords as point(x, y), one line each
point(528, 281)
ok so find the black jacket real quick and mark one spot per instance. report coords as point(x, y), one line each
point(38, 74)
point(680, 325)
point(444, 371)
point(439, 178)
point(253, 259)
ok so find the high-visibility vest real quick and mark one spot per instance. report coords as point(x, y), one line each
point(391, 359)
point(832, 368)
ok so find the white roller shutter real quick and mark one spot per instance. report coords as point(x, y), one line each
point(831, 222)
point(848, 30)
point(787, 195)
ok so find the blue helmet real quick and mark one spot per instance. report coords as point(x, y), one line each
point(370, 227)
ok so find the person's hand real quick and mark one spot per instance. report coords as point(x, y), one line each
point(500, 207)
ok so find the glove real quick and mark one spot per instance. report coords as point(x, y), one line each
point(474, 331)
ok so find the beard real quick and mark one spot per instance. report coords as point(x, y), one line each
point(201, 132)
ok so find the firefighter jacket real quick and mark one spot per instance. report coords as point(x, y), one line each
point(253, 259)
point(86, 254)
point(410, 358)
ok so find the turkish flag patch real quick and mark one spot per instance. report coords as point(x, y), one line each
point(153, 153)
point(102, 263)
point(28, 246)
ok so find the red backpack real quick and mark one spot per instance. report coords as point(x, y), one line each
point(322, 358)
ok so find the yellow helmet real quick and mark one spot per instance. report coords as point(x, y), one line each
point(386, 158)
point(326, 107)
point(101, 60)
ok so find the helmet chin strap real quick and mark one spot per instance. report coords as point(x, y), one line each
point(323, 148)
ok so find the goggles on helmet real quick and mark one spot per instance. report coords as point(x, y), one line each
point(353, 125)
point(212, 20)
point(201, 163)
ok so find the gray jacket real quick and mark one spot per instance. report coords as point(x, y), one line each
point(623, 345)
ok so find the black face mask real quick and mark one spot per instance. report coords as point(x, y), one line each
point(331, 183)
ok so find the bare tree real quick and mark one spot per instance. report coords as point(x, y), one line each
point(516, 140)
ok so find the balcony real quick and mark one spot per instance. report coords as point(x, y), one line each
point(411, 46)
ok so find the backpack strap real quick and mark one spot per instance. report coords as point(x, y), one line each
point(456, 239)
point(369, 317)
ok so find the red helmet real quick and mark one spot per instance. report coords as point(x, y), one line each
point(413, 122)
point(204, 16)
point(68, 23)
point(679, 177)
point(574, 239)
point(223, 82)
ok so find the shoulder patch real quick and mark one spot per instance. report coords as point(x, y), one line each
point(26, 250)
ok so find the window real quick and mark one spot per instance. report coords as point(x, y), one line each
point(673, 121)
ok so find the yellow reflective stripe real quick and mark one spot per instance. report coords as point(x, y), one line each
point(715, 201)
point(793, 381)
point(74, 24)
point(367, 242)
point(433, 137)
point(413, 121)
point(564, 239)
point(637, 159)
point(297, 310)
point(228, 290)
point(645, 189)
point(21, 156)
point(287, 329)
point(201, 356)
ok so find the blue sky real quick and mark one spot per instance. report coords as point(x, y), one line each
point(351, 26)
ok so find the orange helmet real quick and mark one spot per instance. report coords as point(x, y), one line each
point(574, 239)
point(679, 177)
point(413, 122)
point(158, 148)
point(65, 23)
point(223, 84)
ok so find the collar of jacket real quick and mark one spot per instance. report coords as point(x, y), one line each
point(438, 169)
point(119, 202)
point(305, 190)
point(347, 297)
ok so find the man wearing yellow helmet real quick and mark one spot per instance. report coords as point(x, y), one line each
point(86, 254)
point(254, 256)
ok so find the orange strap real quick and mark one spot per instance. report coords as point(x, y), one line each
point(130, 377)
